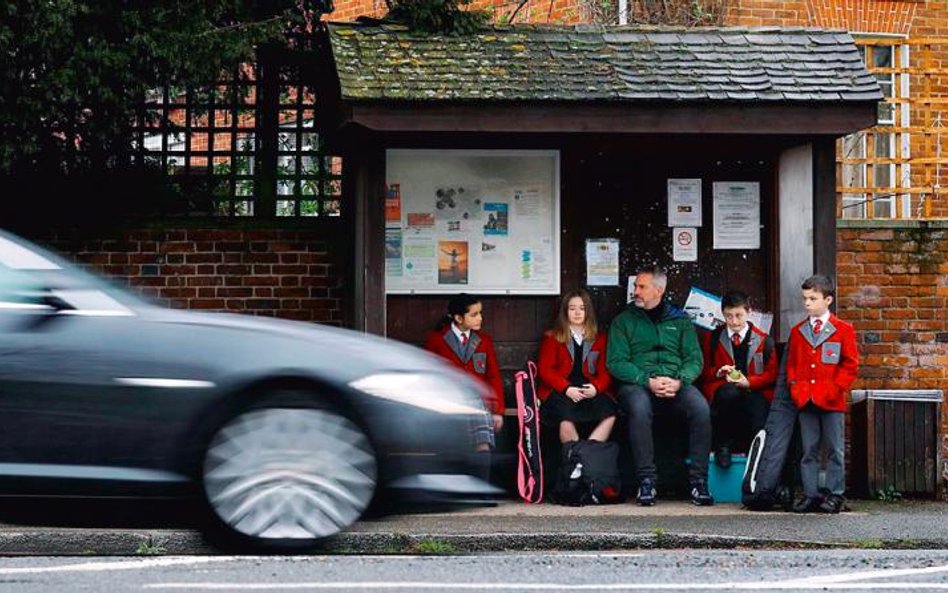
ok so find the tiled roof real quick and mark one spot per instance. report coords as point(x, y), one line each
point(584, 63)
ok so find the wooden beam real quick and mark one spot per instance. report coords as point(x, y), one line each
point(710, 118)
point(366, 175)
point(824, 207)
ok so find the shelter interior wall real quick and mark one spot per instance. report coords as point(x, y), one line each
point(610, 189)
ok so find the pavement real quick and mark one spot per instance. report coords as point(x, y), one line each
point(516, 526)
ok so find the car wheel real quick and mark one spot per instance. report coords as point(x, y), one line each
point(282, 477)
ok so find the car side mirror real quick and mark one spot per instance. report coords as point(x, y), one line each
point(55, 304)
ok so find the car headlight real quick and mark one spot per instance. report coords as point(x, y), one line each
point(427, 391)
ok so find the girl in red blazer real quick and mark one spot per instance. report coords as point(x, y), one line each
point(740, 371)
point(574, 383)
point(460, 340)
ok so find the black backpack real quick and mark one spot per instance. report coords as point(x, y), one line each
point(588, 474)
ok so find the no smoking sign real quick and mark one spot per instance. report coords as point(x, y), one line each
point(685, 244)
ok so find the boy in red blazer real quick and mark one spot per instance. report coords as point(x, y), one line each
point(459, 340)
point(822, 360)
point(740, 370)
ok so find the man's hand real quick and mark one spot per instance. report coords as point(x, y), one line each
point(664, 386)
point(575, 394)
point(498, 422)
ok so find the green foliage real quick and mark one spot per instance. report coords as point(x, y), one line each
point(73, 71)
point(150, 548)
point(889, 494)
point(433, 547)
point(437, 17)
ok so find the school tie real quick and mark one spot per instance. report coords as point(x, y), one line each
point(817, 327)
point(463, 340)
point(736, 340)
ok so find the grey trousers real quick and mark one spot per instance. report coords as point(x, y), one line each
point(821, 431)
point(640, 405)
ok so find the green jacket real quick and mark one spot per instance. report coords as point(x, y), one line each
point(639, 349)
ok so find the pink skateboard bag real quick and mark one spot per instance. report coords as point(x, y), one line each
point(529, 462)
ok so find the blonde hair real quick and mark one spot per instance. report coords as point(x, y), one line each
point(561, 325)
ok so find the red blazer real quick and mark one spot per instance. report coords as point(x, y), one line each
point(761, 374)
point(822, 368)
point(556, 363)
point(477, 358)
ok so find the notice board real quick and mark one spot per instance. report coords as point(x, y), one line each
point(477, 221)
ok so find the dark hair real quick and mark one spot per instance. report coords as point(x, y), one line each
point(735, 298)
point(561, 326)
point(458, 305)
point(821, 284)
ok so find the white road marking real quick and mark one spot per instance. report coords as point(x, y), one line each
point(749, 586)
point(869, 574)
point(823, 582)
point(134, 564)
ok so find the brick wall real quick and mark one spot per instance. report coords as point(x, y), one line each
point(911, 18)
point(893, 286)
point(288, 273)
point(534, 11)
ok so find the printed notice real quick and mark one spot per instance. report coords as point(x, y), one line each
point(393, 205)
point(761, 320)
point(736, 215)
point(393, 252)
point(684, 202)
point(685, 244)
point(536, 262)
point(704, 309)
point(497, 218)
point(452, 262)
point(602, 262)
point(420, 260)
point(527, 203)
point(421, 221)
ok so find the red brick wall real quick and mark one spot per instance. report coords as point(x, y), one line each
point(893, 286)
point(287, 273)
point(534, 11)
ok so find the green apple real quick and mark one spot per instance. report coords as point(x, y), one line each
point(734, 375)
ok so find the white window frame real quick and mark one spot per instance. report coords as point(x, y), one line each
point(901, 117)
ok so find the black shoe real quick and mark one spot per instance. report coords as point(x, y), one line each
point(833, 503)
point(807, 504)
point(700, 494)
point(722, 457)
point(646, 495)
point(784, 498)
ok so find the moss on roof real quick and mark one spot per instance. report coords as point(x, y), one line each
point(613, 64)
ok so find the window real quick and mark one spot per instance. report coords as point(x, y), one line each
point(874, 162)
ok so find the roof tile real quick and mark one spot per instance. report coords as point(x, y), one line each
point(537, 62)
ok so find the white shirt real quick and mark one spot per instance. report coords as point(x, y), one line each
point(462, 336)
point(577, 337)
point(742, 332)
point(825, 317)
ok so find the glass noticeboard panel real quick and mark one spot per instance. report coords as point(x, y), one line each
point(479, 221)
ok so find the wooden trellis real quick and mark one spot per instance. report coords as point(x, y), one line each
point(899, 168)
point(248, 146)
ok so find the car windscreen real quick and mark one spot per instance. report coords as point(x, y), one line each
point(27, 270)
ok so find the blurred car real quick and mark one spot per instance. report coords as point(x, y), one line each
point(286, 431)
